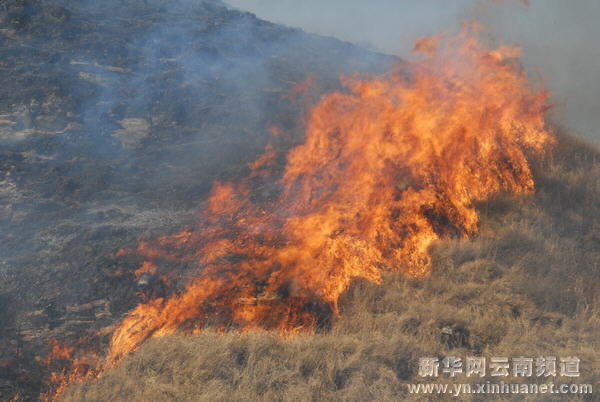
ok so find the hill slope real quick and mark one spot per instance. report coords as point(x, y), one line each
point(114, 121)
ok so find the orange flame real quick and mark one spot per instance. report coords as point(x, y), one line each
point(67, 365)
point(388, 167)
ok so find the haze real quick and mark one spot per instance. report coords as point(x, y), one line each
point(559, 38)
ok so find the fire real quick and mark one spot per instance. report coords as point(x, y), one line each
point(388, 166)
point(68, 364)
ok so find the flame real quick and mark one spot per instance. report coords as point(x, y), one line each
point(388, 166)
point(67, 365)
point(58, 351)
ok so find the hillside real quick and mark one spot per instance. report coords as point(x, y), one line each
point(122, 128)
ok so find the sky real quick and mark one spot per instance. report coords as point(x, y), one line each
point(560, 39)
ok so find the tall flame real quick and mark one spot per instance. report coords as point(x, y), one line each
point(388, 166)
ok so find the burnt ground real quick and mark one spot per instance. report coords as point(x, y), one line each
point(115, 118)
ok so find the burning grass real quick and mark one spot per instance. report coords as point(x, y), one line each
point(386, 169)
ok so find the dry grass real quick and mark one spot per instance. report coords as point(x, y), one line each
point(526, 286)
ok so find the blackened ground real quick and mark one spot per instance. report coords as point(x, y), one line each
point(115, 118)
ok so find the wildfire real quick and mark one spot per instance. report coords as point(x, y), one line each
point(388, 166)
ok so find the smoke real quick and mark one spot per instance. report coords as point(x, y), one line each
point(116, 117)
point(558, 38)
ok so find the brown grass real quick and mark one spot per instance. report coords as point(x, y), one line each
point(526, 286)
